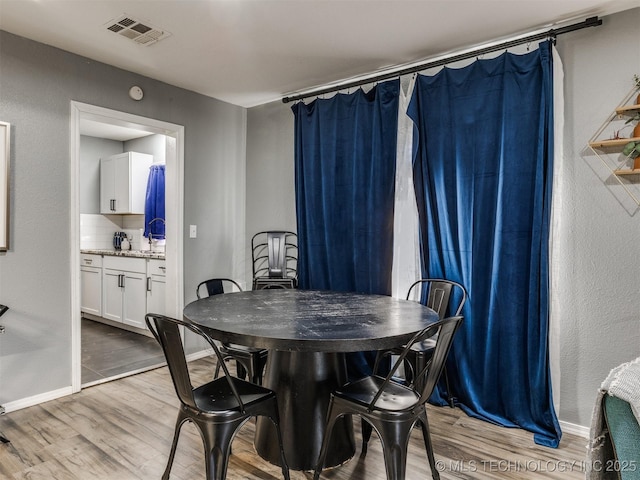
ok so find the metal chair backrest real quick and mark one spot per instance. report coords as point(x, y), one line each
point(274, 254)
point(277, 251)
point(216, 286)
point(444, 331)
point(166, 332)
point(439, 295)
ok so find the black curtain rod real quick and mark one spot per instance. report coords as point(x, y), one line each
point(589, 22)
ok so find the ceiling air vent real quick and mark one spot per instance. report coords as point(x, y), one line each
point(140, 32)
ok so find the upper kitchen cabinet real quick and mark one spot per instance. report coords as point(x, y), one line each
point(123, 183)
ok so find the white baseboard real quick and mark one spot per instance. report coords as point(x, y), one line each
point(201, 354)
point(574, 429)
point(37, 399)
point(63, 392)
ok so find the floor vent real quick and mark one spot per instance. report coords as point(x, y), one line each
point(140, 32)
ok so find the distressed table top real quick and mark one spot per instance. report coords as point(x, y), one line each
point(310, 320)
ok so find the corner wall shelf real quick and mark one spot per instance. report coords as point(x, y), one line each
point(627, 172)
point(618, 142)
point(609, 151)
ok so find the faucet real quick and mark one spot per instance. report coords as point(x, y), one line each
point(154, 220)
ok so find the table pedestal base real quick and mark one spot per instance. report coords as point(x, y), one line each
point(303, 382)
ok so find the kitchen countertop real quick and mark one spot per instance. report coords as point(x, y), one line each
point(126, 253)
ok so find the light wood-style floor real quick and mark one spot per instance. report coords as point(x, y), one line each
point(122, 430)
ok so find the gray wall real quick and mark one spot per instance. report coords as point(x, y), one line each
point(599, 232)
point(270, 171)
point(598, 236)
point(36, 87)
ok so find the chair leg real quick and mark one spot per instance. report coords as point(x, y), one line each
point(249, 368)
point(429, 446)
point(217, 446)
point(395, 439)
point(418, 364)
point(331, 420)
point(255, 372)
point(283, 460)
point(452, 400)
point(172, 453)
point(366, 435)
point(241, 371)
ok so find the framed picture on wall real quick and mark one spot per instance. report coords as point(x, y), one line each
point(5, 143)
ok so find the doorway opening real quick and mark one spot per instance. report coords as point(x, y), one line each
point(89, 122)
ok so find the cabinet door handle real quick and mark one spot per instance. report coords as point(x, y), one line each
point(121, 280)
point(148, 284)
point(113, 204)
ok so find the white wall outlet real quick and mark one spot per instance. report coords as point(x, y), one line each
point(193, 231)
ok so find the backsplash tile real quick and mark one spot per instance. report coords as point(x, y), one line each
point(96, 231)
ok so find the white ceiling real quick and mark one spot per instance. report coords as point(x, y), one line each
point(92, 128)
point(249, 52)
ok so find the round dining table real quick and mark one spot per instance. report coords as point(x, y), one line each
point(307, 333)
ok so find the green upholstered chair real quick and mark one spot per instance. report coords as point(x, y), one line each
point(625, 437)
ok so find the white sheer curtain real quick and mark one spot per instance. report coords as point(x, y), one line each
point(555, 313)
point(406, 254)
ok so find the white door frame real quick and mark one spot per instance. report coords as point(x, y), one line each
point(174, 195)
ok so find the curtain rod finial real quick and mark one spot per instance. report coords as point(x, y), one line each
point(593, 21)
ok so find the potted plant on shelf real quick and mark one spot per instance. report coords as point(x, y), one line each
point(636, 130)
point(632, 150)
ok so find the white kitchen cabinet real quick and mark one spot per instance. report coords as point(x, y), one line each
point(156, 286)
point(123, 183)
point(124, 285)
point(91, 284)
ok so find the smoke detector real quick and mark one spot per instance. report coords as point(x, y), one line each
point(139, 32)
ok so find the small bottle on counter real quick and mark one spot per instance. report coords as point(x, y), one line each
point(125, 244)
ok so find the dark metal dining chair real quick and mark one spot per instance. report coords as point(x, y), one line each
point(445, 297)
point(249, 361)
point(218, 408)
point(274, 257)
point(391, 408)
